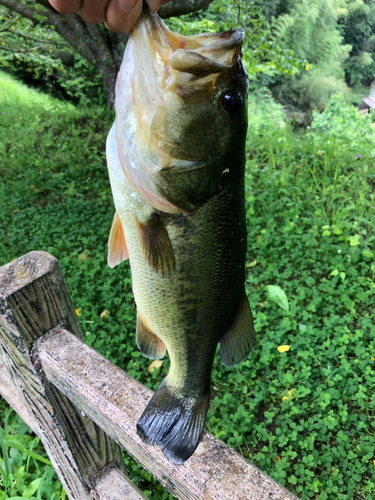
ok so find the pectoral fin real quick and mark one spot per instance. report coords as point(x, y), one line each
point(156, 245)
point(117, 251)
point(240, 338)
point(148, 343)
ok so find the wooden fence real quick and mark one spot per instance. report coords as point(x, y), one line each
point(84, 408)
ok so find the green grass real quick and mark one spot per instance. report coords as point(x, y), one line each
point(25, 472)
point(304, 416)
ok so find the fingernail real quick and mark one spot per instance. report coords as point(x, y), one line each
point(128, 5)
point(154, 5)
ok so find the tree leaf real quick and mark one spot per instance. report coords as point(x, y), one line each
point(278, 295)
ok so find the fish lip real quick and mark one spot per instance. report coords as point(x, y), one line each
point(231, 38)
point(224, 40)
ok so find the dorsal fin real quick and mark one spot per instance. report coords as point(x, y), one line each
point(117, 251)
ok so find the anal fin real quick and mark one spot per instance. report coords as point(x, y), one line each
point(156, 245)
point(117, 251)
point(238, 341)
point(148, 343)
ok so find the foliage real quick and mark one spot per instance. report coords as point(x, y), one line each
point(39, 56)
point(264, 113)
point(340, 126)
point(303, 403)
point(357, 28)
point(25, 469)
point(310, 29)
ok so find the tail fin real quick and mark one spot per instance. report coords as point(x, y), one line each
point(174, 423)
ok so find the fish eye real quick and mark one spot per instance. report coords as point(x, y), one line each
point(232, 101)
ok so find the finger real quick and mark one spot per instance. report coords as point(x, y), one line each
point(93, 12)
point(122, 15)
point(155, 4)
point(66, 7)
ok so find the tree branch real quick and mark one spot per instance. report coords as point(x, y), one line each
point(28, 12)
point(21, 51)
point(117, 43)
point(105, 62)
point(46, 4)
point(18, 33)
point(100, 48)
point(71, 36)
point(12, 21)
point(180, 7)
point(58, 21)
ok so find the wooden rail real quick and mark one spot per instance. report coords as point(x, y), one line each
point(84, 408)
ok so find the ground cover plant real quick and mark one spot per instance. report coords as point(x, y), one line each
point(302, 406)
point(26, 472)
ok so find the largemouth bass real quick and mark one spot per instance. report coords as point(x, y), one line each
point(176, 156)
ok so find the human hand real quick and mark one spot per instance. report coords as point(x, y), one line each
point(119, 16)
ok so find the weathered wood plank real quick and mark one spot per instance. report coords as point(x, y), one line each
point(114, 485)
point(9, 392)
point(33, 300)
point(115, 401)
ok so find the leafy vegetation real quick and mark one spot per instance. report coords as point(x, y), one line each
point(25, 470)
point(357, 27)
point(310, 29)
point(39, 56)
point(302, 406)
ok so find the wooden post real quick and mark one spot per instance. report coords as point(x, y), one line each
point(9, 392)
point(114, 485)
point(33, 300)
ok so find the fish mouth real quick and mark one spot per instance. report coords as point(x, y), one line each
point(199, 55)
point(209, 59)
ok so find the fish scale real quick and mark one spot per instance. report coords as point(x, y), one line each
point(176, 161)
